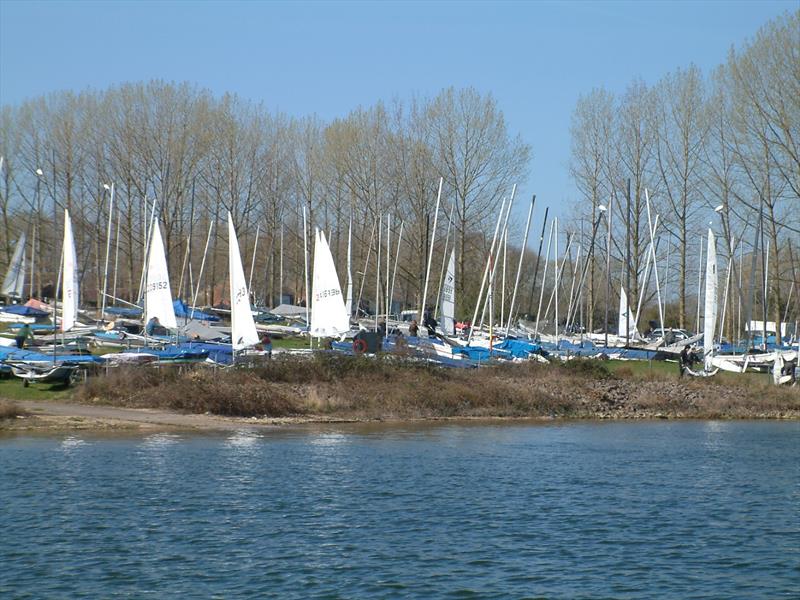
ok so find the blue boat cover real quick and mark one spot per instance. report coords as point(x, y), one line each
point(171, 353)
point(14, 354)
point(519, 348)
point(219, 353)
point(34, 326)
point(183, 311)
point(122, 311)
point(25, 311)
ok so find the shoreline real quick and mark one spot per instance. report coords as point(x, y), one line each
point(329, 389)
point(48, 416)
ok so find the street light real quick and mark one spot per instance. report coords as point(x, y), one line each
point(719, 208)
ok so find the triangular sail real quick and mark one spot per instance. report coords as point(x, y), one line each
point(448, 301)
point(14, 281)
point(69, 288)
point(627, 322)
point(328, 313)
point(710, 311)
point(243, 328)
point(157, 293)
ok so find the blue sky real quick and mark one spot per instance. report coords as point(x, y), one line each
point(327, 58)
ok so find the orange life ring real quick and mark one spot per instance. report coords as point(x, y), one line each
point(359, 346)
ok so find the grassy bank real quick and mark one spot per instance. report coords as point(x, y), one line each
point(358, 388)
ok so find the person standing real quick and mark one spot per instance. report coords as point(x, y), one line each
point(413, 329)
point(266, 344)
point(684, 360)
point(24, 334)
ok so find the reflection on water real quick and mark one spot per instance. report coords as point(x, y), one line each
point(328, 439)
point(71, 443)
point(621, 510)
point(160, 440)
point(243, 438)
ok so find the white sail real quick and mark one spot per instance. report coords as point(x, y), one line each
point(14, 282)
point(243, 328)
point(348, 305)
point(157, 293)
point(449, 297)
point(625, 316)
point(328, 313)
point(710, 311)
point(69, 286)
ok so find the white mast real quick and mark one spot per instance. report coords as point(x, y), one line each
point(710, 312)
point(108, 251)
point(388, 268)
point(253, 262)
point(349, 302)
point(202, 268)
point(305, 257)
point(397, 256)
point(519, 265)
point(430, 250)
point(544, 279)
point(378, 273)
point(555, 282)
point(486, 270)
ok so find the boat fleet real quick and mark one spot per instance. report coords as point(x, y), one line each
point(162, 330)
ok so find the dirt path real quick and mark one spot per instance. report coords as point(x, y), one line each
point(49, 414)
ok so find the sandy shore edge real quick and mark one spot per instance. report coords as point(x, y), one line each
point(49, 415)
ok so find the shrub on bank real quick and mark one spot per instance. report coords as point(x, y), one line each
point(10, 410)
point(389, 387)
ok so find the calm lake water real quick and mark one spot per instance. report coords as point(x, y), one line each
point(576, 510)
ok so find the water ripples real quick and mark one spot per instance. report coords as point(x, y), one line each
point(667, 510)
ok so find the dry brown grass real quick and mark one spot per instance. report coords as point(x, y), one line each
point(9, 410)
point(349, 387)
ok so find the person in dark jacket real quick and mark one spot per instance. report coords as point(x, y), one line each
point(430, 323)
point(153, 327)
point(685, 360)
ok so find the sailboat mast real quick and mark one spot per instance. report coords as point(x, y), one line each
point(202, 265)
point(305, 257)
point(397, 257)
point(544, 279)
point(253, 261)
point(486, 271)
point(108, 252)
point(378, 273)
point(349, 300)
point(519, 265)
point(388, 268)
point(555, 282)
point(444, 261)
point(430, 250)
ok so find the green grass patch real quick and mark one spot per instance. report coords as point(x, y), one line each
point(13, 389)
point(289, 343)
